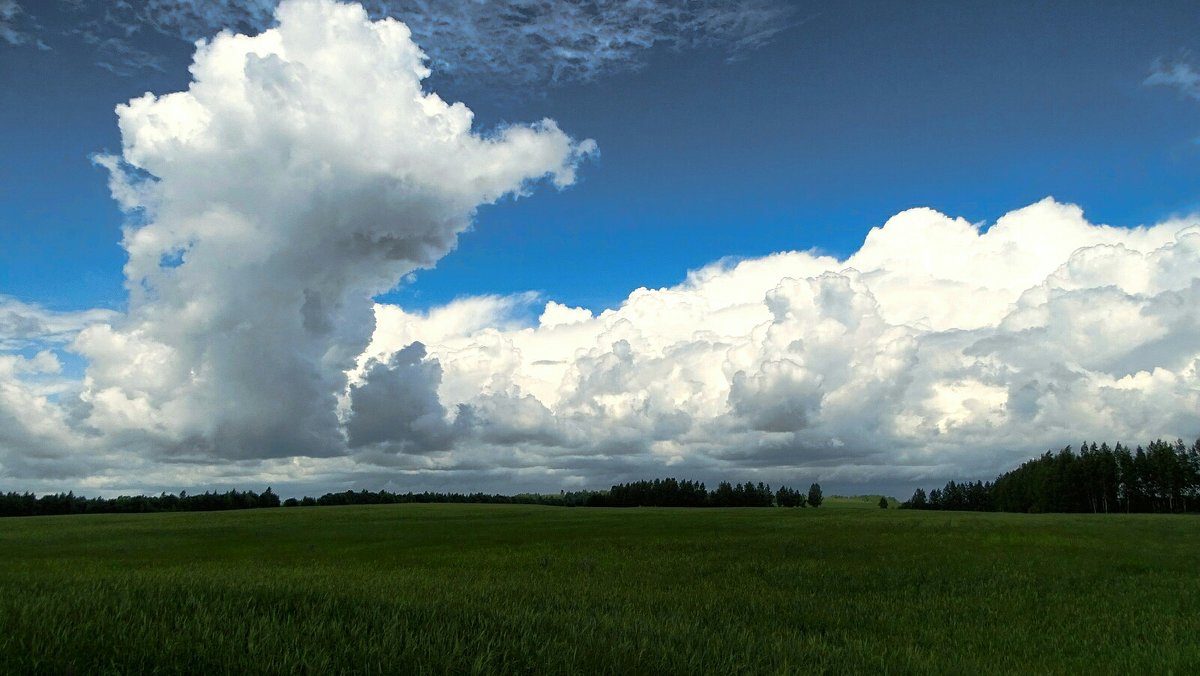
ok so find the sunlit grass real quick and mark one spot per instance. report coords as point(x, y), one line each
point(462, 589)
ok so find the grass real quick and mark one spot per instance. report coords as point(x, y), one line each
point(857, 502)
point(485, 589)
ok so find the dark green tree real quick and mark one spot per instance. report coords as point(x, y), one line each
point(918, 500)
point(883, 503)
point(814, 495)
point(724, 496)
point(789, 497)
point(268, 498)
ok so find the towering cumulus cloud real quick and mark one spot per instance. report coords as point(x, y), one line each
point(303, 171)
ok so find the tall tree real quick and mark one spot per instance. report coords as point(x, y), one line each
point(918, 500)
point(814, 495)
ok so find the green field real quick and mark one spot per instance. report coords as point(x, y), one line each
point(856, 502)
point(492, 588)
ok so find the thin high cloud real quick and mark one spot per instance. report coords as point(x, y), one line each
point(17, 27)
point(1179, 75)
point(25, 326)
point(512, 41)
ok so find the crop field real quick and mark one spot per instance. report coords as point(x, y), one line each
point(496, 588)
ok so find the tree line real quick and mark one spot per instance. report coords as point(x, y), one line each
point(1163, 477)
point(669, 492)
point(672, 492)
point(28, 504)
point(657, 493)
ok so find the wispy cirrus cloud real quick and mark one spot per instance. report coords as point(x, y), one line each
point(513, 41)
point(26, 325)
point(1180, 75)
point(17, 27)
point(119, 55)
point(552, 41)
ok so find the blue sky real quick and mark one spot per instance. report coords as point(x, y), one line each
point(757, 240)
point(852, 114)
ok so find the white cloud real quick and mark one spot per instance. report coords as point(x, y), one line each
point(38, 402)
point(303, 171)
point(35, 433)
point(937, 348)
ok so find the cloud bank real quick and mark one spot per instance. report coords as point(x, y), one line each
point(938, 349)
point(521, 41)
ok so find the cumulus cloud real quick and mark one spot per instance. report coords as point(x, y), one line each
point(530, 41)
point(38, 411)
point(396, 408)
point(34, 431)
point(302, 172)
point(939, 348)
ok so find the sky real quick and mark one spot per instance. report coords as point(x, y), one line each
point(530, 245)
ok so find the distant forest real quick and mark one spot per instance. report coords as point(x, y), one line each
point(657, 493)
point(1163, 477)
point(28, 504)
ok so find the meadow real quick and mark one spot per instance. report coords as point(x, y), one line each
point(530, 589)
